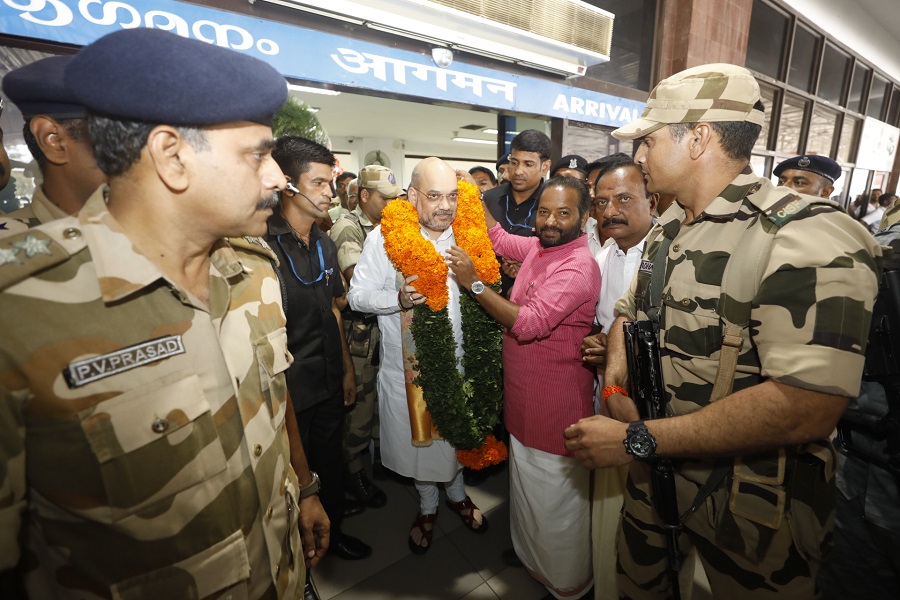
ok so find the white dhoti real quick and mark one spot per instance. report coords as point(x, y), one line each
point(550, 518)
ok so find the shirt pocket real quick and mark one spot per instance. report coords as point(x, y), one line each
point(691, 325)
point(154, 442)
point(273, 358)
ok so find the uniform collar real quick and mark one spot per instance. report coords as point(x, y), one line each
point(727, 204)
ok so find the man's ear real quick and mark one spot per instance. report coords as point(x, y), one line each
point(699, 138)
point(51, 138)
point(654, 202)
point(171, 155)
point(827, 191)
point(545, 167)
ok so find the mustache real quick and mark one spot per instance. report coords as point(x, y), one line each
point(441, 212)
point(270, 202)
point(614, 221)
point(547, 228)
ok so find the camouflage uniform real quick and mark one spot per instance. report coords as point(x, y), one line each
point(144, 451)
point(764, 528)
point(364, 339)
point(41, 210)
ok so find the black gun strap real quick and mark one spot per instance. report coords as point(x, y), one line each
point(658, 279)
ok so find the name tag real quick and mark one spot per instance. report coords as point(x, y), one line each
point(83, 372)
point(646, 266)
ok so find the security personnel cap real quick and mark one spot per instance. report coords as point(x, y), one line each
point(503, 160)
point(572, 161)
point(716, 93)
point(38, 89)
point(820, 165)
point(381, 179)
point(155, 76)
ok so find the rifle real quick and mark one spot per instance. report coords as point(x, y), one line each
point(646, 383)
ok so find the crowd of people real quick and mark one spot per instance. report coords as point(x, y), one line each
point(206, 335)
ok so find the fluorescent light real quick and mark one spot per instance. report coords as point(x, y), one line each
point(495, 132)
point(474, 141)
point(312, 90)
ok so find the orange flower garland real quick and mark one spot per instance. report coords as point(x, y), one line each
point(464, 406)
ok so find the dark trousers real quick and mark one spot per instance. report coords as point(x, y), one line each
point(321, 428)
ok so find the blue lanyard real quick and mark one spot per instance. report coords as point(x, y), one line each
point(527, 217)
point(323, 272)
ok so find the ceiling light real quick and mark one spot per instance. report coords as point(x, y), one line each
point(495, 132)
point(474, 141)
point(312, 90)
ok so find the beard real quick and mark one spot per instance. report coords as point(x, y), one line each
point(564, 236)
point(433, 224)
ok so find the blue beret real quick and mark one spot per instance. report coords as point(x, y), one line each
point(38, 89)
point(503, 160)
point(155, 76)
point(814, 163)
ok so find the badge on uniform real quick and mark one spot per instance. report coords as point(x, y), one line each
point(88, 370)
point(646, 266)
point(573, 164)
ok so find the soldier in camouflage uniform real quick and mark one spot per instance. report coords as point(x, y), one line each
point(376, 187)
point(57, 137)
point(143, 408)
point(781, 283)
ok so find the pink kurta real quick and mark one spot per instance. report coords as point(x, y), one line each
point(546, 385)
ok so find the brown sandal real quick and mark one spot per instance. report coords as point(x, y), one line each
point(425, 525)
point(466, 511)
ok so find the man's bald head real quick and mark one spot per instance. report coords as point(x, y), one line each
point(433, 191)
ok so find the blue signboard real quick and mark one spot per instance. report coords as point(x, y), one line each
point(315, 56)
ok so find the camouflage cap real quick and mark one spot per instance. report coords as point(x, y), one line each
point(376, 177)
point(716, 92)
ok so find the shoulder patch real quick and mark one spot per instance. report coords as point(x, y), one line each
point(253, 244)
point(27, 253)
point(781, 205)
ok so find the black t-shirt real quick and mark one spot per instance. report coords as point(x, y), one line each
point(309, 283)
point(517, 219)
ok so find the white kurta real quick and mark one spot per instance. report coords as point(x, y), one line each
point(373, 289)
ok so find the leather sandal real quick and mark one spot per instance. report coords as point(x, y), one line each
point(425, 525)
point(466, 511)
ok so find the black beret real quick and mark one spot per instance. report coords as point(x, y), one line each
point(155, 76)
point(814, 163)
point(38, 89)
point(572, 161)
point(503, 160)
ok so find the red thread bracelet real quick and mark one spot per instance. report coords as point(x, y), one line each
point(613, 389)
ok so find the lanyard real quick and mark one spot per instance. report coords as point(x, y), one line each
point(527, 217)
point(323, 272)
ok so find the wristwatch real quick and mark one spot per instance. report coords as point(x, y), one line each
point(310, 488)
point(639, 442)
point(477, 288)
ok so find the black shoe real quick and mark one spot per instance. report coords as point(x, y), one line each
point(474, 477)
point(353, 507)
point(309, 590)
point(359, 486)
point(511, 559)
point(348, 547)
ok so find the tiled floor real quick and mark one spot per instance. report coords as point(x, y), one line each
point(460, 564)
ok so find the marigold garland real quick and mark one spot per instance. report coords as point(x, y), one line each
point(465, 406)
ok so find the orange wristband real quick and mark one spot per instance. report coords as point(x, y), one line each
point(613, 389)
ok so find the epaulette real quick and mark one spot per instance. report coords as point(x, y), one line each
point(781, 207)
point(253, 244)
point(27, 253)
point(11, 226)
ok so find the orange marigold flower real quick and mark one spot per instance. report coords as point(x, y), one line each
point(491, 452)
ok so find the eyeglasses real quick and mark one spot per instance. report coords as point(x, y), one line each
point(452, 197)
